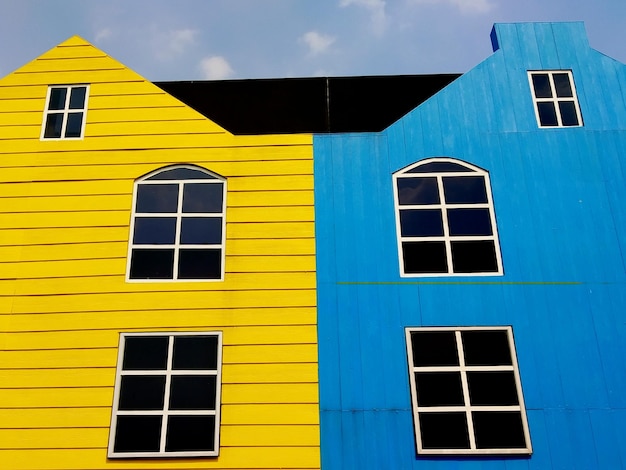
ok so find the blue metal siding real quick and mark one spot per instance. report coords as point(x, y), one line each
point(559, 201)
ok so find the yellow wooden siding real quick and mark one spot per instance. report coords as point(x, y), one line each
point(232, 458)
point(107, 357)
point(103, 284)
point(86, 397)
point(248, 436)
point(211, 317)
point(65, 209)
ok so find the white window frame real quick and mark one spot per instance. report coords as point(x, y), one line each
point(443, 207)
point(554, 100)
point(65, 111)
point(165, 413)
point(178, 215)
point(467, 408)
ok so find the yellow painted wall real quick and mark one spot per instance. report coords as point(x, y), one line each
point(64, 225)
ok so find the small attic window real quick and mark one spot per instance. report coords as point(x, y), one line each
point(554, 95)
point(64, 116)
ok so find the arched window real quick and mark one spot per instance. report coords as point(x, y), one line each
point(178, 225)
point(445, 220)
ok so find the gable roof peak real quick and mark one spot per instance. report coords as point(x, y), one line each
point(508, 35)
point(75, 41)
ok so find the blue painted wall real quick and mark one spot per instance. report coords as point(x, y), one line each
point(559, 198)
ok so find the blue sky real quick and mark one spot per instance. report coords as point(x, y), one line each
point(218, 39)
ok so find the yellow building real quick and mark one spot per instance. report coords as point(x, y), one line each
point(157, 279)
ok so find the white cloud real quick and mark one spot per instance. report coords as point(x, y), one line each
point(376, 9)
point(103, 34)
point(171, 44)
point(465, 6)
point(215, 68)
point(317, 42)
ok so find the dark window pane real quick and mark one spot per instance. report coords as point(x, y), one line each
point(474, 257)
point(492, 388)
point(157, 198)
point(439, 389)
point(547, 114)
point(77, 97)
point(54, 123)
point(57, 98)
point(562, 85)
point(417, 191)
point(469, 222)
point(464, 189)
point(193, 392)
point(201, 230)
point(541, 85)
point(182, 174)
point(200, 264)
point(424, 257)
point(439, 167)
point(155, 231)
point(74, 125)
point(145, 353)
point(498, 430)
point(189, 433)
point(152, 264)
point(568, 113)
point(138, 434)
point(203, 197)
point(444, 430)
point(142, 392)
point(434, 348)
point(195, 353)
point(421, 223)
point(486, 348)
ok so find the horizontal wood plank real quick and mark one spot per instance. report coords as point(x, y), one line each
point(81, 397)
point(117, 267)
point(119, 249)
point(230, 436)
point(132, 320)
point(235, 335)
point(164, 300)
point(123, 201)
point(105, 376)
point(96, 172)
point(89, 417)
point(107, 357)
point(233, 458)
point(159, 157)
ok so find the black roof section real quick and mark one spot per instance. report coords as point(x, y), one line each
point(307, 105)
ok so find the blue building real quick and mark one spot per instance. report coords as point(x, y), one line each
point(471, 266)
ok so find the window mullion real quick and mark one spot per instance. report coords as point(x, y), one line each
point(65, 112)
point(166, 398)
point(444, 218)
point(466, 395)
point(555, 99)
point(179, 223)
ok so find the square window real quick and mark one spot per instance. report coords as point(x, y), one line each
point(466, 391)
point(64, 115)
point(166, 403)
point(554, 96)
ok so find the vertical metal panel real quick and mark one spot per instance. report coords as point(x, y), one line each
point(608, 452)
